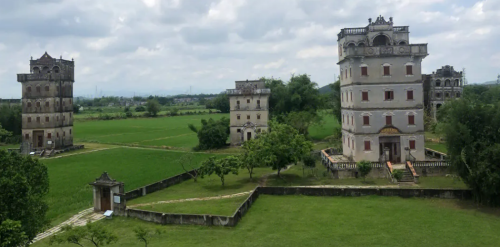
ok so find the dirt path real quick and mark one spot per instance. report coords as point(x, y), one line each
point(193, 199)
point(71, 154)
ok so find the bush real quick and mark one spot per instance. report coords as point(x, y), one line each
point(364, 167)
point(212, 134)
point(397, 174)
point(140, 109)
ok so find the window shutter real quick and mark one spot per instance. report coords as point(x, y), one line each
point(388, 120)
point(365, 96)
point(351, 96)
point(350, 72)
point(352, 143)
point(411, 120)
point(364, 71)
point(412, 144)
point(366, 120)
point(409, 70)
point(409, 95)
point(387, 70)
point(367, 146)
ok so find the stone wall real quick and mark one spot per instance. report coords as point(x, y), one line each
point(148, 189)
point(376, 172)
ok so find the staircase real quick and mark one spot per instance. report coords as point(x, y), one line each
point(407, 177)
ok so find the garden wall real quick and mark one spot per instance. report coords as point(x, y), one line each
point(148, 189)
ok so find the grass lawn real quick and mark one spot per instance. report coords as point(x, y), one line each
point(7, 146)
point(321, 131)
point(226, 206)
point(69, 176)
point(161, 131)
point(333, 221)
point(441, 147)
point(206, 187)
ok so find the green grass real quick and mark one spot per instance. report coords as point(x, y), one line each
point(332, 221)
point(441, 183)
point(162, 131)
point(7, 146)
point(226, 206)
point(69, 176)
point(441, 147)
point(321, 131)
point(206, 187)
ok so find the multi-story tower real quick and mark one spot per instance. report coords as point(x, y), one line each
point(249, 110)
point(444, 84)
point(381, 92)
point(47, 102)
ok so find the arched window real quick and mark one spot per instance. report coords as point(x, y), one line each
point(457, 82)
point(402, 43)
point(36, 70)
point(29, 104)
point(55, 69)
point(447, 83)
point(381, 40)
point(361, 44)
point(351, 45)
point(28, 89)
point(438, 83)
point(45, 70)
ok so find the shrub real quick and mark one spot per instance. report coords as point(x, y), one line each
point(364, 167)
point(140, 109)
point(397, 174)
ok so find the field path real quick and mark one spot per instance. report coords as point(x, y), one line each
point(193, 199)
point(86, 152)
point(79, 219)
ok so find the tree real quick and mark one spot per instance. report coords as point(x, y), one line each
point(281, 146)
point(364, 167)
point(76, 109)
point(221, 103)
point(212, 134)
point(471, 128)
point(140, 109)
point(144, 235)
point(308, 161)
point(4, 133)
point(128, 113)
point(23, 184)
point(10, 119)
point(153, 107)
point(187, 160)
point(251, 156)
point(336, 100)
point(174, 111)
point(302, 120)
point(221, 167)
point(11, 234)
point(96, 234)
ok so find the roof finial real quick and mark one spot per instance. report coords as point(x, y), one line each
point(369, 20)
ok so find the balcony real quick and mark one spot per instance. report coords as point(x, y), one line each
point(364, 30)
point(381, 51)
point(248, 92)
point(248, 108)
point(44, 77)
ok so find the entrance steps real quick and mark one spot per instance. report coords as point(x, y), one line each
point(407, 176)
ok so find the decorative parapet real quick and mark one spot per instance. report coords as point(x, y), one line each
point(248, 92)
point(396, 50)
point(430, 163)
point(44, 77)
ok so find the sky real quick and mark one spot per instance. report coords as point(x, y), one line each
point(167, 47)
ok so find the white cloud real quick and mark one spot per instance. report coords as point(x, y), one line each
point(271, 65)
point(224, 10)
point(318, 51)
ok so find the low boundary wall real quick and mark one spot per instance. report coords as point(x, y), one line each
point(150, 188)
point(231, 221)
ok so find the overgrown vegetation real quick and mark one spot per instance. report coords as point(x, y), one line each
point(91, 234)
point(10, 121)
point(213, 134)
point(364, 168)
point(24, 182)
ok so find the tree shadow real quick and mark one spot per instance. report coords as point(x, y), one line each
point(471, 205)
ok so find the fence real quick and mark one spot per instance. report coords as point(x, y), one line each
point(435, 154)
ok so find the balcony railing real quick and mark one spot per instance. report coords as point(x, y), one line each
point(38, 77)
point(248, 108)
point(253, 91)
point(397, 50)
point(401, 29)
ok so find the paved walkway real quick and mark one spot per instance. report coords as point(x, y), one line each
point(193, 199)
point(79, 219)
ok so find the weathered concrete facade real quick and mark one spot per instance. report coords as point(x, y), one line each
point(381, 92)
point(47, 103)
point(444, 84)
point(249, 110)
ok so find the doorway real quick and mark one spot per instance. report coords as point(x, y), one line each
point(105, 199)
point(393, 145)
point(38, 139)
point(249, 136)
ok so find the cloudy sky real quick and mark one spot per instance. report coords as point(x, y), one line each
point(165, 47)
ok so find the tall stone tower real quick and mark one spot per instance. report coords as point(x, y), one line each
point(381, 93)
point(249, 110)
point(445, 84)
point(47, 103)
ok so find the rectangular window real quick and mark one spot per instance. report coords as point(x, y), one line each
point(438, 95)
point(64, 118)
point(352, 143)
point(238, 117)
point(364, 96)
point(47, 104)
point(342, 96)
point(37, 104)
point(248, 101)
point(49, 135)
point(346, 73)
point(364, 71)
point(411, 120)
point(258, 116)
point(37, 89)
point(388, 120)
point(348, 142)
point(412, 144)
point(29, 89)
point(29, 119)
point(409, 70)
point(238, 130)
point(350, 72)
point(343, 119)
point(27, 136)
point(248, 116)
point(409, 95)
point(64, 133)
point(37, 119)
point(367, 146)
point(70, 131)
point(387, 70)
point(238, 102)
point(366, 120)
point(352, 120)
point(351, 96)
point(47, 88)
point(389, 95)
point(46, 119)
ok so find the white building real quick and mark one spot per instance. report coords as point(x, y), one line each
point(382, 92)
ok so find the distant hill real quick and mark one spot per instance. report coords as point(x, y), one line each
point(490, 82)
point(325, 89)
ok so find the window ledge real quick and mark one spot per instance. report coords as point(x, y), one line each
point(410, 75)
